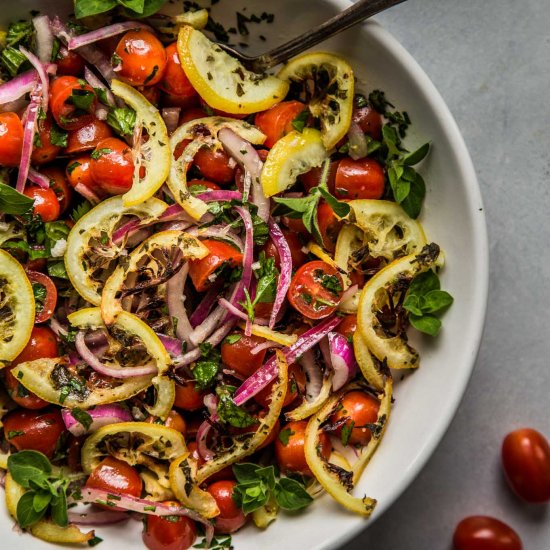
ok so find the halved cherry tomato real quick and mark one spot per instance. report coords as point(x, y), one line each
point(69, 63)
point(150, 93)
point(112, 166)
point(34, 430)
point(45, 307)
point(214, 165)
point(360, 409)
point(369, 120)
point(174, 533)
point(348, 326)
point(313, 177)
point(231, 517)
point(277, 121)
point(526, 461)
point(188, 397)
point(295, 245)
point(46, 204)
point(296, 386)
point(359, 179)
point(60, 186)
point(44, 150)
point(329, 225)
point(204, 183)
point(87, 137)
point(289, 448)
point(191, 114)
point(485, 533)
point(139, 58)
point(11, 139)
point(174, 420)
point(202, 271)
point(72, 102)
point(296, 225)
point(237, 353)
point(79, 171)
point(175, 82)
point(316, 290)
point(117, 477)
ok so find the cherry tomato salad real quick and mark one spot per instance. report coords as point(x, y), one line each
point(207, 277)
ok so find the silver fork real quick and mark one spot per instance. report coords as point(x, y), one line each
point(360, 11)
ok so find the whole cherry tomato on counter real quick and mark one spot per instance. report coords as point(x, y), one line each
point(485, 533)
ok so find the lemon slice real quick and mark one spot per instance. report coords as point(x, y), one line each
point(89, 246)
point(390, 282)
point(333, 87)
point(154, 154)
point(222, 81)
point(16, 308)
point(294, 154)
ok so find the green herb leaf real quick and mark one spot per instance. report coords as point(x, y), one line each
point(233, 338)
point(41, 501)
point(20, 33)
point(98, 153)
point(81, 209)
point(284, 435)
point(58, 136)
point(341, 209)
point(299, 123)
point(85, 8)
point(133, 5)
point(436, 300)
point(59, 509)
point(95, 541)
point(26, 514)
point(122, 120)
point(82, 99)
point(416, 156)
point(13, 202)
point(428, 324)
point(291, 495)
point(231, 413)
point(346, 432)
point(207, 367)
point(57, 269)
point(267, 276)
point(27, 465)
point(82, 417)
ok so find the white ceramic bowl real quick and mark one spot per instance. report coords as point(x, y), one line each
point(453, 216)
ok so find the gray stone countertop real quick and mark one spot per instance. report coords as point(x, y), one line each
point(490, 59)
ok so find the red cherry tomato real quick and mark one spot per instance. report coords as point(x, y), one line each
point(60, 186)
point(188, 397)
point(174, 420)
point(316, 290)
point(139, 58)
point(296, 225)
point(214, 165)
point(72, 102)
point(329, 225)
point(204, 183)
point(313, 177)
point(277, 121)
point(231, 517)
point(296, 386)
point(11, 139)
point(357, 278)
point(44, 150)
point(174, 80)
point(46, 204)
point(221, 253)
point(87, 137)
point(115, 476)
point(295, 245)
point(79, 172)
point(485, 533)
point(223, 474)
point(150, 93)
point(526, 461)
point(359, 179)
point(112, 166)
point(175, 533)
point(238, 355)
point(290, 454)
point(69, 63)
point(369, 120)
point(191, 114)
point(360, 409)
point(46, 307)
point(34, 430)
point(348, 326)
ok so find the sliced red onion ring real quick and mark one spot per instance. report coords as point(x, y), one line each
point(101, 112)
point(171, 116)
point(57, 327)
point(87, 193)
point(357, 142)
point(314, 375)
point(286, 269)
point(268, 372)
point(172, 345)
point(203, 309)
point(202, 445)
point(102, 415)
point(96, 517)
point(29, 129)
point(125, 230)
point(351, 291)
point(218, 232)
point(115, 372)
point(42, 75)
point(264, 345)
point(342, 359)
point(95, 82)
point(174, 212)
point(44, 37)
point(105, 32)
point(211, 402)
point(207, 327)
point(22, 84)
point(220, 195)
point(175, 298)
point(233, 309)
point(38, 178)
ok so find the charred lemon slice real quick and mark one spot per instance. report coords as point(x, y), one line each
point(153, 154)
point(222, 81)
point(16, 308)
point(331, 101)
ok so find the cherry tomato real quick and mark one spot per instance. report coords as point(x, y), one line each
point(191, 114)
point(231, 517)
point(69, 63)
point(87, 137)
point(329, 225)
point(150, 93)
point(112, 166)
point(485, 533)
point(139, 58)
point(357, 278)
point(360, 409)
point(46, 204)
point(60, 186)
point(369, 120)
point(221, 253)
point(11, 139)
point(174, 80)
point(276, 122)
point(34, 430)
point(45, 307)
point(290, 454)
point(214, 165)
point(204, 183)
point(72, 102)
point(316, 290)
point(348, 326)
point(44, 150)
point(313, 177)
point(223, 474)
point(295, 245)
point(115, 476)
point(296, 225)
point(238, 355)
point(174, 420)
point(359, 179)
point(526, 461)
point(188, 397)
point(296, 386)
point(175, 533)
point(79, 172)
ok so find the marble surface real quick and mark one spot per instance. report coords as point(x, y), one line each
point(490, 59)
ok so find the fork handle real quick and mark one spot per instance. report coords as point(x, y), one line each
point(344, 20)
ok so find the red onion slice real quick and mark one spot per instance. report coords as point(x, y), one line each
point(357, 142)
point(314, 375)
point(76, 42)
point(29, 129)
point(202, 445)
point(42, 75)
point(286, 269)
point(342, 359)
point(38, 178)
point(264, 345)
point(203, 309)
point(44, 38)
point(96, 517)
point(172, 345)
point(171, 116)
point(175, 298)
point(102, 415)
point(207, 327)
point(22, 84)
point(233, 309)
point(87, 193)
point(220, 195)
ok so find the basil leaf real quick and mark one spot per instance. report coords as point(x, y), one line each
point(82, 417)
point(59, 509)
point(424, 283)
point(26, 514)
point(150, 7)
point(82, 99)
point(427, 323)
point(251, 495)
point(413, 203)
point(346, 432)
point(416, 156)
point(122, 120)
point(133, 5)
point(267, 275)
point(13, 60)
point(58, 137)
point(284, 435)
point(204, 373)
point(300, 121)
point(41, 500)
point(300, 205)
point(233, 338)
point(85, 8)
point(412, 304)
point(20, 32)
point(57, 269)
point(13, 202)
point(341, 209)
point(436, 300)
point(26, 465)
point(230, 413)
point(245, 472)
point(291, 495)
